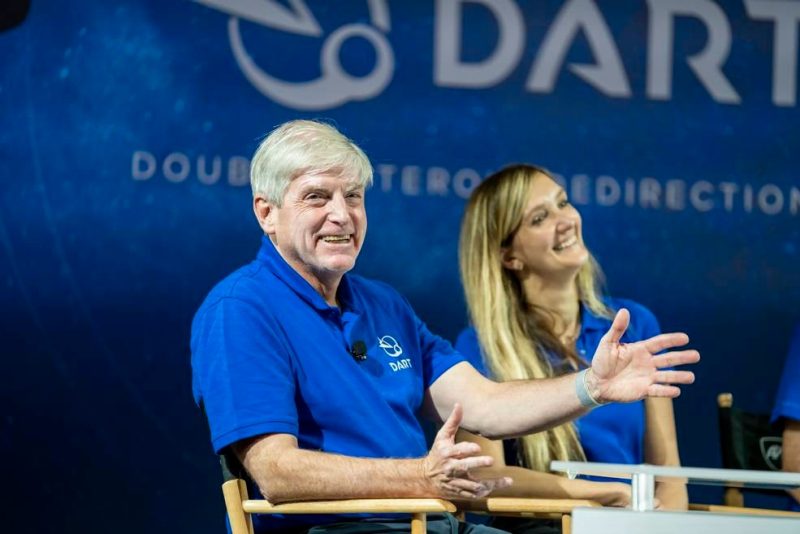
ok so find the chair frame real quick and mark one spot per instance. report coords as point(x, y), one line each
point(525, 507)
point(240, 508)
point(733, 498)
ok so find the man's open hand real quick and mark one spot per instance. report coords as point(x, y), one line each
point(448, 466)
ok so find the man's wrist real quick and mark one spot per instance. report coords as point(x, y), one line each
point(586, 389)
point(424, 483)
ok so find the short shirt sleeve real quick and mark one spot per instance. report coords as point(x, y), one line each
point(438, 355)
point(787, 402)
point(467, 344)
point(241, 372)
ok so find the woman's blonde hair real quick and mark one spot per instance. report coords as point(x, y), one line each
point(515, 336)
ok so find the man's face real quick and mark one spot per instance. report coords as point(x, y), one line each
point(320, 227)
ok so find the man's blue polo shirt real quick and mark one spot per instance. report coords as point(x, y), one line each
point(787, 403)
point(269, 355)
point(613, 433)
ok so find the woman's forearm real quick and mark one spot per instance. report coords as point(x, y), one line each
point(672, 495)
point(535, 484)
point(661, 448)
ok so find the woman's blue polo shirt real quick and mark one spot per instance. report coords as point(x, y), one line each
point(613, 433)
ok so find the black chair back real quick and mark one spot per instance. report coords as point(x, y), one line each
point(748, 440)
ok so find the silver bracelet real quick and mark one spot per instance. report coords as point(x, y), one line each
point(582, 391)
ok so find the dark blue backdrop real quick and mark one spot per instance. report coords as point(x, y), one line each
point(125, 129)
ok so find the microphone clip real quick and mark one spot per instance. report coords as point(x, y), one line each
point(359, 351)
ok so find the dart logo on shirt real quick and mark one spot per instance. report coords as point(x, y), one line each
point(390, 346)
point(393, 349)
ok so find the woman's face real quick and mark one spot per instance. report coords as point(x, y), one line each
point(548, 242)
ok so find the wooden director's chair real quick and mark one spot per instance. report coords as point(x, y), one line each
point(240, 507)
point(524, 507)
point(747, 441)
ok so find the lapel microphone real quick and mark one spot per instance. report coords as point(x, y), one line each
point(359, 351)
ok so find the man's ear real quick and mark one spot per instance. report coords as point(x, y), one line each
point(510, 261)
point(265, 213)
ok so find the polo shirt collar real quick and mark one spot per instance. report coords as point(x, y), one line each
point(269, 256)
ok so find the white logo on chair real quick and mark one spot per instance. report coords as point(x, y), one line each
point(336, 86)
point(771, 450)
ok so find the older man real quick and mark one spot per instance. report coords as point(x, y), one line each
point(314, 377)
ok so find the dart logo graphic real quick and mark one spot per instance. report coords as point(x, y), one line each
point(390, 346)
point(335, 86)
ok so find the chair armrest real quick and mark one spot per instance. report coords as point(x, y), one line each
point(722, 509)
point(350, 506)
point(525, 505)
point(515, 504)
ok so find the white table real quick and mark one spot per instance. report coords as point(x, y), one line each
point(642, 518)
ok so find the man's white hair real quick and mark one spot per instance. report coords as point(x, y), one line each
point(304, 147)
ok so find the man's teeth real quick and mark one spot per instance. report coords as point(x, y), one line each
point(336, 238)
point(568, 243)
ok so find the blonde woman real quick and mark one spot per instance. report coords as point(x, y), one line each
point(532, 290)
